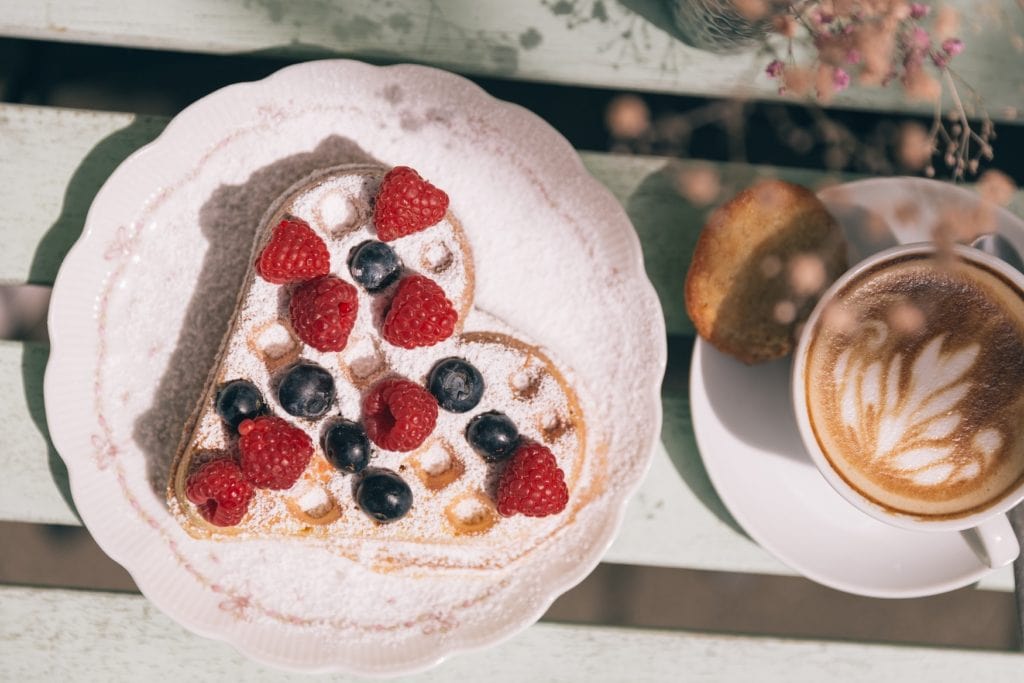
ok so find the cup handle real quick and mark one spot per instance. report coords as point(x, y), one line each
point(993, 541)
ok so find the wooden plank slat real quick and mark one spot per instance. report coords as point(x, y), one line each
point(54, 163)
point(51, 634)
point(37, 490)
point(625, 45)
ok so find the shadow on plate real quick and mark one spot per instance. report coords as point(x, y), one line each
point(866, 231)
point(753, 403)
point(677, 430)
point(86, 181)
point(228, 220)
point(668, 226)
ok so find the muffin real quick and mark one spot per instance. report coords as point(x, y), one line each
point(760, 264)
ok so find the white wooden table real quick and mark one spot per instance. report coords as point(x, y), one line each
point(52, 161)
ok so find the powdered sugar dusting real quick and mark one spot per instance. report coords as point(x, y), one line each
point(435, 460)
point(429, 541)
point(497, 360)
point(553, 257)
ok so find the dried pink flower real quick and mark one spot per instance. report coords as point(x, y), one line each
point(797, 80)
point(906, 318)
point(952, 46)
point(784, 312)
point(840, 80)
point(806, 274)
point(774, 68)
point(853, 56)
point(877, 48)
point(919, 10)
point(785, 25)
point(627, 116)
point(996, 187)
point(833, 49)
point(914, 147)
point(920, 86)
point(751, 10)
point(824, 82)
point(700, 185)
point(919, 39)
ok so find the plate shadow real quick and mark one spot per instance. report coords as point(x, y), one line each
point(85, 182)
point(228, 220)
point(753, 403)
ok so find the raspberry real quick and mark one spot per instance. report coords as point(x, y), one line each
point(220, 491)
point(399, 415)
point(533, 484)
point(420, 314)
point(406, 204)
point(294, 253)
point(273, 453)
point(323, 312)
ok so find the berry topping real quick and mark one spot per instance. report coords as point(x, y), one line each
point(406, 204)
point(384, 495)
point(323, 312)
point(399, 415)
point(493, 435)
point(273, 453)
point(346, 446)
point(294, 253)
point(239, 400)
point(420, 314)
point(532, 484)
point(456, 385)
point(374, 265)
point(306, 390)
point(220, 492)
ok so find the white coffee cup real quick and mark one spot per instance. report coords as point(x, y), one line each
point(988, 531)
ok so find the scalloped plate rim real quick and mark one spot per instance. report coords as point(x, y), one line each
point(64, 295)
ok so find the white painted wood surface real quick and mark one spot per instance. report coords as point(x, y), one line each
point(32, 493)
point(55, 160)
point(52, 163)
point(49, 634)
point(607, 43)
point(63, 156)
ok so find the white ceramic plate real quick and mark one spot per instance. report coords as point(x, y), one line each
point(747, 434)
point(142, 300)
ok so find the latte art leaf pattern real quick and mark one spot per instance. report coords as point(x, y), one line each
point(908, 424)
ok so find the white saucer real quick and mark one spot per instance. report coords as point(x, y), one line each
point(747, 434)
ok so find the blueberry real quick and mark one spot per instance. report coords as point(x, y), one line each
point(346, 446)
point(306, 390)
point(456, 385)
point(374, 265)
point(493, 435)
point(239, 400)
point(384, 495)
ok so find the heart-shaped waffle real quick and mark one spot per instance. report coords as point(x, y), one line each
point(453, 522)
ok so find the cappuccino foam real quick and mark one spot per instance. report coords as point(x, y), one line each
point(915, 386)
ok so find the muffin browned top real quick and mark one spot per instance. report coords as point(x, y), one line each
point(761, 262)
